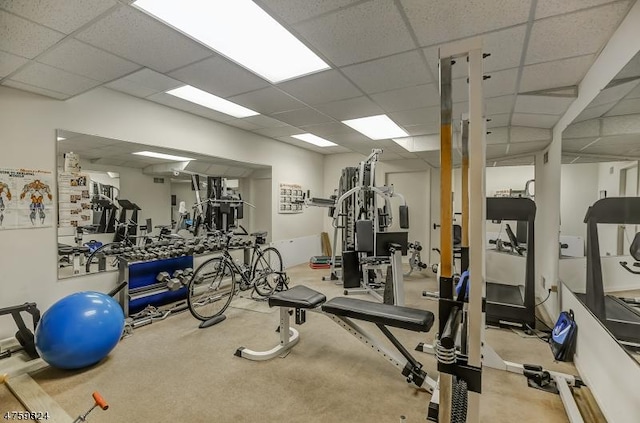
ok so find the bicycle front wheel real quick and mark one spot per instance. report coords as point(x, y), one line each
point(265, 276)
point(211, 289)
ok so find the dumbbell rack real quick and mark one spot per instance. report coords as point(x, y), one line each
point(143, 289)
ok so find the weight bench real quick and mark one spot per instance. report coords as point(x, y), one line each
point(344, 311)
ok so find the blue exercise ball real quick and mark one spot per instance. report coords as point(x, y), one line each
point(79, 330)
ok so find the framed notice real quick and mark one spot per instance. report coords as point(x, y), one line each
point(290, 198)
point(26, 198)
point(74, 200)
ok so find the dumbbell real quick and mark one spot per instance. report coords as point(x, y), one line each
point(174, 284)
point(163, 277)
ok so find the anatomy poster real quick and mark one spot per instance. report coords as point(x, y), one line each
point(26, 199)
point(74, 201)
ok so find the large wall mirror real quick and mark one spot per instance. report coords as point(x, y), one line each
point(114, 191)
point(600, 184)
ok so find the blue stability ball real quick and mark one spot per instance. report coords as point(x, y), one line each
point(79, 330)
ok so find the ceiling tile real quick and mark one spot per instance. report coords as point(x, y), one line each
point(408, 98)
point(36, 90)
point(581, 33)
point(64, 16)
point(534, 120)
point(242, 124)
point(187, 106)
point(48, 77)
point(135, 36)
point(634, 94)
point(125, 86)
point(546, 8)
point(501, 83)
point(302, 117)
point(367, 31)
point(576, 144)
point(625, 107)
point(498, 135)
point(542, 104)
point(631, 69)
point(264, 121)
point(433, 21)
point(267, 100)
point(322, 87)
point(497, 105)
point(421, 116)
point(559, 73)
point(387, 155)
point(498, 120)
point(527, 147)
point(504, 46)
point(408, 155)
point(582, 130)
point(9, 63)
point(219, 76)
point(518, 161)
point(528, 134)
point(24, 38)
point(350, 109)
point(393, 72)
point(153, 80)
point(496, 150)
point(594, 112)
point(354, 138)
point(620, 125)
point(282, 131)
point(414, 130)
point(613, 94)
point(82, 59)
point(294, 11)
point(327, 130)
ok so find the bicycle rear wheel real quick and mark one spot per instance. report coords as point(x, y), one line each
point(265, 276)
point(211, 289)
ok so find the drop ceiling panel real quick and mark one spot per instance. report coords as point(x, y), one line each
point(527, 147)
point(408, 98)
point(625, 107)
point(363, 32)
point(219, 76)
point(133, 35)
point(581, 33)
point(422, 116)
point(496, 150)
point(542, 104)
point(264, 121)
point(322, 87)
point(351, 108)
point(504, 46)
point(501, 83)
point(414, 130)
point(25, 38)
point(546, 8)
point(267, 100)
point(281, 131)
point(125, 86)
point(559, 73)
point(153, 80)
point(36, 90)
point(300, 117)
point(9, 63)
point(242, 124)
point(50, 78)
point(294, 11)
point(634, 94)
point(524, 134)
point(354, 139)
point(187, 106)
point(433, 21)
point(498, 105)
point(62, 15)
point(576, 144)
point(498, 136)
point(82, 59)
point(387, 156)
point(407, 69)
point(534, 120)
point(327, 129)
point(499, 120)
point(631, 69)
point(613, 94)
point(594, 112)
point(589, 128)
point(620, 125)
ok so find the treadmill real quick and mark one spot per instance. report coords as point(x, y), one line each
point(507, 304)
point(621, 319)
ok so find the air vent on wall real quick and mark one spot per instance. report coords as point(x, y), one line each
point(158, 180)
point(546, 157)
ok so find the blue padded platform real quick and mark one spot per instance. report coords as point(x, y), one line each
point(298, 296)
point(386, 314)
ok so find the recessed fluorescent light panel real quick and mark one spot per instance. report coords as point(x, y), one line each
point(378, 127)
point(241, 31)
point(315, 140)
point(163, 156)
point(211, 101)
point(60, 138)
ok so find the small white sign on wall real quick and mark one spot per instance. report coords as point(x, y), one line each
point(290, 198)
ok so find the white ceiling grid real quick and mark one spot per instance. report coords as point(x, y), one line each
point(383, 56)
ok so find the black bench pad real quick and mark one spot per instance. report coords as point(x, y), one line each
point(298, 296)
point(386, 314)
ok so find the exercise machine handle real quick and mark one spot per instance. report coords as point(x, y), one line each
point(100, 402)
point(624, 264)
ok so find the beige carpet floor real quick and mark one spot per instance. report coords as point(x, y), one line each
point(171, 371)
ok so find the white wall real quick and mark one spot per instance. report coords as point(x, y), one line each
point(260, 196)
point(579, 188)
point(29, 124)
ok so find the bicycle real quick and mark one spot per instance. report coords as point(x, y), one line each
point(217, 280)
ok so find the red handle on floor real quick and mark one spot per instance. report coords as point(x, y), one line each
point(100, 402)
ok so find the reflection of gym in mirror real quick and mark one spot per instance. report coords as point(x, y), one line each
point(119, 201)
